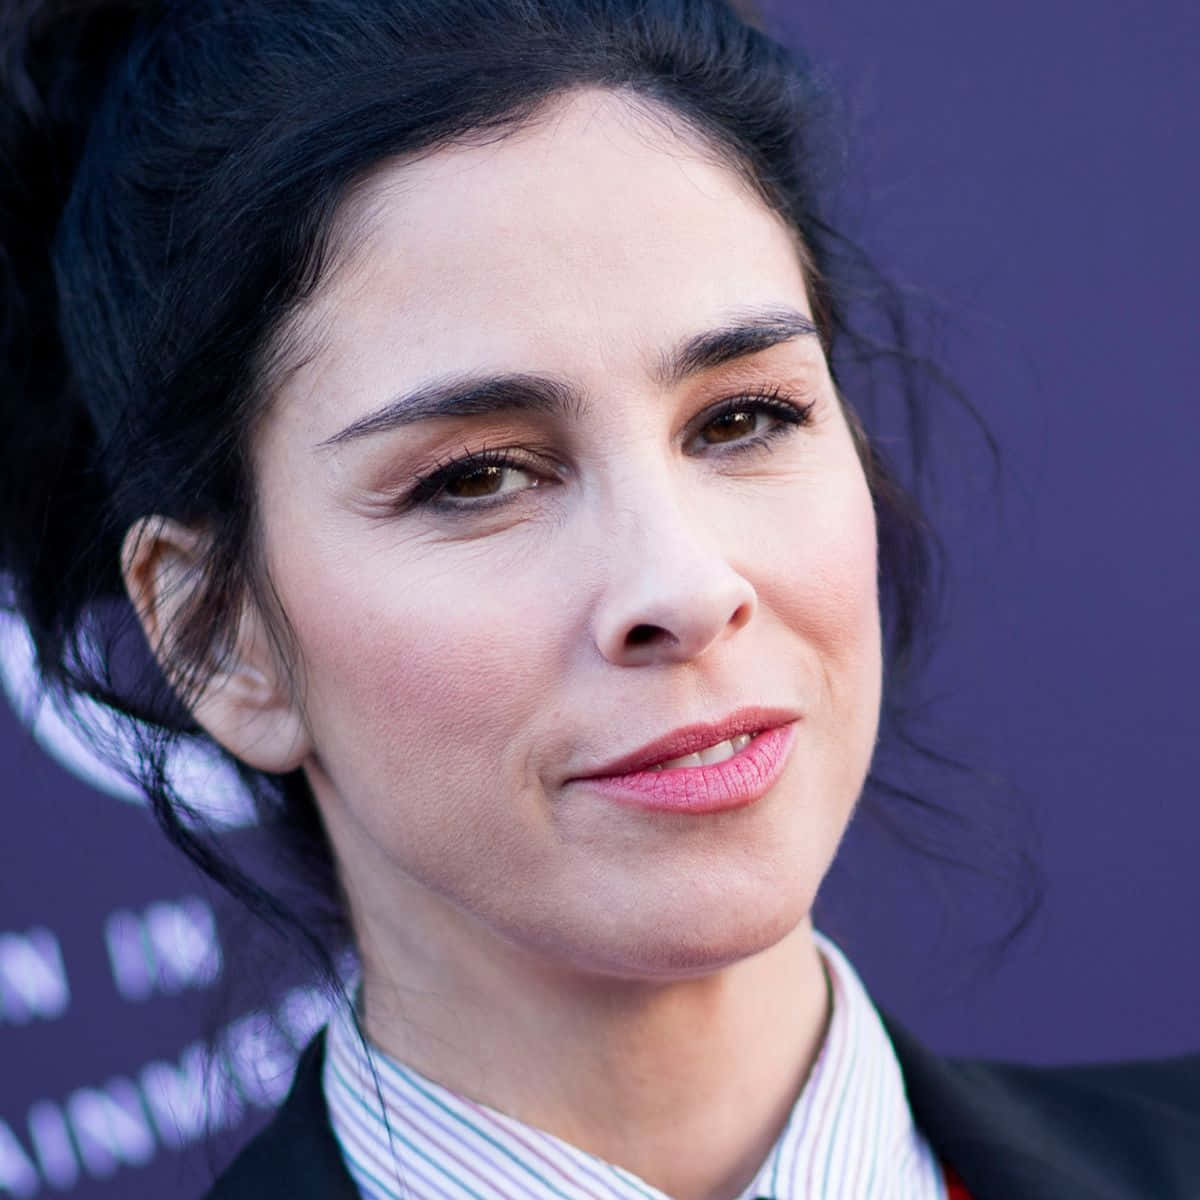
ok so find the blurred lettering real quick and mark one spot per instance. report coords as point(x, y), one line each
point(173, 945)
point(111, 1127)
point(18, 1176)
point(260, 1059)
point(33, 980)
point(124, 1122)
point(190, 1099)
point(302, 1012)
point(52, 1145)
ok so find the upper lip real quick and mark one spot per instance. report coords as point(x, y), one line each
point(691, 738)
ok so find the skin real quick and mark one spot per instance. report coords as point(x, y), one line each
point(642, 984)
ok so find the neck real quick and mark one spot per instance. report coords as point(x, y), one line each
point(685, 1083)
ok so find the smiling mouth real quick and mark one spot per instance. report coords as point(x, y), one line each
point(716, 753)
point(704, 744)
point(717, 776)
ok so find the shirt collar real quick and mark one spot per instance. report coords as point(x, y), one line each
point(850, 1134)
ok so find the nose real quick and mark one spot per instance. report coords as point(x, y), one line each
point(671, 591)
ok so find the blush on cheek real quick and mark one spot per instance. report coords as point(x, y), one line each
point(834, 603)
point(829, 587)
point(419, 688)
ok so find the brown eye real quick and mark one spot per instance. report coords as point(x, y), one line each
point(749, 424)
point(483, 481)
point(730, 426)
point(475, 480)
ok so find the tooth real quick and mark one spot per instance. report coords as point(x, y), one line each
point(710, 754)
point(687, 760)
point(718, 753)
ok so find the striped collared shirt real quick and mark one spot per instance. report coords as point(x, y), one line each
point(850, 1135)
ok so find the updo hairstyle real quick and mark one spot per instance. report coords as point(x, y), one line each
point(171, 181)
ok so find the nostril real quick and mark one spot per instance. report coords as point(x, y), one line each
point(639, 635)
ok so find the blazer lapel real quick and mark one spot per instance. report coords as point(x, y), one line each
point(296, 1155)
point(999, 1148)
point(1121, 1131)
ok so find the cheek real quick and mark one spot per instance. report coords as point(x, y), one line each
point(827, 587)
point(421, 672)
point(827, 593)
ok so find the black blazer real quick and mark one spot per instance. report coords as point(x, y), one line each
point(1126, 1131)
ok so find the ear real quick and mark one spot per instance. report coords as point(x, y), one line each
point(245, 700)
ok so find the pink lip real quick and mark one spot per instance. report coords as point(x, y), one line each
point(736, 782)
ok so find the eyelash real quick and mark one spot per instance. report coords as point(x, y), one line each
point(790, 416)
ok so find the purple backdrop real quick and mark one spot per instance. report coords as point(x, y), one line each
point(1032, 167)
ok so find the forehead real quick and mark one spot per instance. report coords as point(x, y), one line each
point(582, 243)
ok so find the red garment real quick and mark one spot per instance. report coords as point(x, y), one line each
point(954, 1186)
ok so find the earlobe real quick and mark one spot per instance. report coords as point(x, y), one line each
point(243, 698)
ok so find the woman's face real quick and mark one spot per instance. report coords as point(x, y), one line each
point(656, 537)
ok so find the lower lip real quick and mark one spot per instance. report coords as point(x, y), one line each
point(738, 781)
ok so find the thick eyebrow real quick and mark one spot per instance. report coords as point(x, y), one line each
point(747, 332)
point(466, 396)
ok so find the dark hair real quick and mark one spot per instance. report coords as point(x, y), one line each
point(171, 176)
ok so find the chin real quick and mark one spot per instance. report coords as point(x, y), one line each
point(691, 933)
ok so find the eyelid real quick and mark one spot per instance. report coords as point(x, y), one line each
point(774, 400)
point(424, 492)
